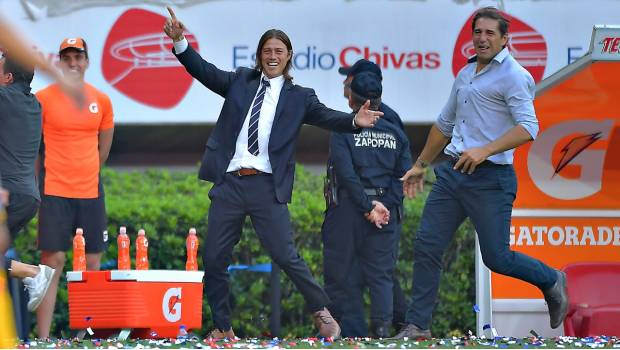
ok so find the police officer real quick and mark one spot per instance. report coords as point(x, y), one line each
point(355, 319)
point(356, 237)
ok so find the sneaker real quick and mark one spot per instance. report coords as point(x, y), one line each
point(220, 334)
point(37, 286)
point(327, 326)
point(412, 331)
point(557, 300)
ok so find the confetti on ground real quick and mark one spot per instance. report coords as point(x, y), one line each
point(534, 342)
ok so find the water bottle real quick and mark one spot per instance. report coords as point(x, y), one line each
point(182, 333)
point(142, 256)
point(79, 251)
point(123, 242)
point(191, 243)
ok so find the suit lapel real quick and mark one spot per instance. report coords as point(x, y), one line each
point(281, 101)
point(250, 92)
point(279, 108)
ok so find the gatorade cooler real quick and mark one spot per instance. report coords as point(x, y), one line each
point(149, 303)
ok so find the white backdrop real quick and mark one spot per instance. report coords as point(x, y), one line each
point(129, 59)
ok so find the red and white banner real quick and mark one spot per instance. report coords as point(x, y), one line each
point(420, 45)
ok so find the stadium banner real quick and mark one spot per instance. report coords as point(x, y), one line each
point(420, 45)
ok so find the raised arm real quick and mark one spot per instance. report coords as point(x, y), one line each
point(206, 73)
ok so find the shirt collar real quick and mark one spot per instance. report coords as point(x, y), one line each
point(274, 83)
point(499, 57)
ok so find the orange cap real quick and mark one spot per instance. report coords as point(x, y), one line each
point(73, 43)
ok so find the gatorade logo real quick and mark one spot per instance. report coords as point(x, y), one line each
point(93, 108)
point(138, 61)
point(171, 305)
point(526, 45)
point(71, 41)
point(568, 144)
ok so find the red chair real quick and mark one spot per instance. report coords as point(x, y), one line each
point(594, 293)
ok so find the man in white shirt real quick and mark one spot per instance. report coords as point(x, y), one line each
point(250, 160)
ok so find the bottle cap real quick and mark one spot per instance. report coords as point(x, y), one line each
point(141, 232)
point(192, 231)
point(123, 230)
point(79, 231)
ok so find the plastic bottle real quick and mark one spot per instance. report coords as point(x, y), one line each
point(182, 333)
point(191, 244)
point(79, 251)
point(123, 242)
point(142, 256)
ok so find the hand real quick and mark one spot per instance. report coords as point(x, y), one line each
point(379, 215)
point(173, 27)
point(4, 197)
point(413, 181)
point(470, 159)
point(5, 237)
point(74, 88)
point(365, 118)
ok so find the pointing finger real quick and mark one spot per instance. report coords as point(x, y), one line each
point(171, 12)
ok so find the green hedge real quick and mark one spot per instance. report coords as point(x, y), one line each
point(167, 204)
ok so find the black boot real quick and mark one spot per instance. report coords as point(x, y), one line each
point(380, 329)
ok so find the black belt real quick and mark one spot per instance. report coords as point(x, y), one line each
point(375, 192)
point(378, 192)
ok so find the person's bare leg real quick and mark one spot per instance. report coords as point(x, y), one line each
point(93, 261)
point(45, 312)
point(21, 270)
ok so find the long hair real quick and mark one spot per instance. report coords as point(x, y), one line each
point(280, 35)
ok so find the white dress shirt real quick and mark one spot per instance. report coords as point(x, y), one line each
point(242, 157)
point(483, 106)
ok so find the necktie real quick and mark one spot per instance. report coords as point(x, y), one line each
point(253, 124)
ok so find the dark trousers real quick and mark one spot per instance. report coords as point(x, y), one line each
point(357, 254)
point(231, 202)
point(486, 197)
point(22, 208)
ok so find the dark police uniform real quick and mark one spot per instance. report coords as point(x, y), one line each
point(367, 167)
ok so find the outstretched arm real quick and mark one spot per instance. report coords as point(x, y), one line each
point(18, 49)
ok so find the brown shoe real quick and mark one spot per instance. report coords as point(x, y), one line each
point(220, 334)
point(412, 331)
point(327, 326)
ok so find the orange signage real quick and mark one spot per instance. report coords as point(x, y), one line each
point(558, 242)
point(568, 202)
point(575, 160)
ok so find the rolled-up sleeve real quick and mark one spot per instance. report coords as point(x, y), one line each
point(520, 99)
point(445, 121)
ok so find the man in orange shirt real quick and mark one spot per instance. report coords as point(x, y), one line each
point(76, 144)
